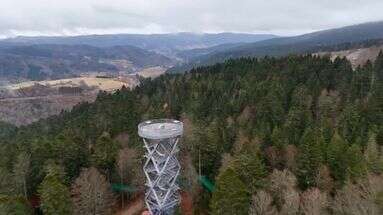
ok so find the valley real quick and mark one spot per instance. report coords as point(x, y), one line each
point(29, 101)
point(250, 108)
point(25, 110)
point(42, 76)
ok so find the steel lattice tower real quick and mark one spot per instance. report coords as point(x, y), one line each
point(161, 168)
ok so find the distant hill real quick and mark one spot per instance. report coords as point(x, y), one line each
point(6, 130)
point(191, 54)
point(167, 44)
point(357, 56)
point(39, 62)
point(306, 43)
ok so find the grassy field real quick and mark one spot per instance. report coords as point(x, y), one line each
point(107, 84)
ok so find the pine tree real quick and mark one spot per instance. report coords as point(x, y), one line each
point(20, 173)
point(337, 159)
point(209, 148)
point(250, 169)
point(230, 196)
point(373, 159)
point(356, 166)
point(375, 100)
point(299, 116)
point(327, 129)
point(379, 137)
point(295, 124)
point(14, 207)
point(278, 138)
point(269, 113)
point(378, 67)
point(309, 158)
point(328, 107)
point(248, 162)
point(55, 196)
point(6, 185)
point(105, 152)
point(349, 125)
point(11, 200)
point(72, 152)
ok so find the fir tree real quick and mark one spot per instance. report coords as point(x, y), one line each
point(349, 125)
point(278, 138)
point(55, 196)
point(105, 152)
point(309, 158)
point(230, 196)
point(14, 206)
point(373, 159)
point(336, 158)
point(73, 152)
point(378, 67)
point(11, 200)
point(250, 168)
point(20, 173)
point(356, 166)
point(209, 148)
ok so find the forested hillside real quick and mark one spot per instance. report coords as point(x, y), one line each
point(168, 44)
point(42, 62)
point(301, 44)
point(294, 135)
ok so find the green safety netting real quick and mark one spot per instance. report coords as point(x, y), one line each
point(203, 180)
point(123, 188)
point(206, 183)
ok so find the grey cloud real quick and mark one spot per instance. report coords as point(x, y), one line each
point(158, 16)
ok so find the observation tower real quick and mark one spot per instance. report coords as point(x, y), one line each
point(161, 137)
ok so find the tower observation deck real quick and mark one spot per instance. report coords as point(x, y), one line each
point(161, 137)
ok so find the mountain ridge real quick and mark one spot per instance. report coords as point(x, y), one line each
point(161, 43)
point(300, 44)
point(46, 61)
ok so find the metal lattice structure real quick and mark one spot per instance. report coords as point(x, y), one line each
point(161, 168)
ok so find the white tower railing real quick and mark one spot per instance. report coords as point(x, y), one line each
point(161, 168)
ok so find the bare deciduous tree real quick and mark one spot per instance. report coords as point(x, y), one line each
point(240, 141)
point(291, 203)
point(129, 170)
point(129, 167)
point(283, 188)
point(246, 115)
point(289, 157)
point(262, 204)
point(189, 177)
point(226, 161)
point(359, 198)
point(91, 193)
point(313, 202)
point(123, 139)
point(272, 155)
point(324, 180)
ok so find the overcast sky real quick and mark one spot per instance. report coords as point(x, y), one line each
point(283, 17)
